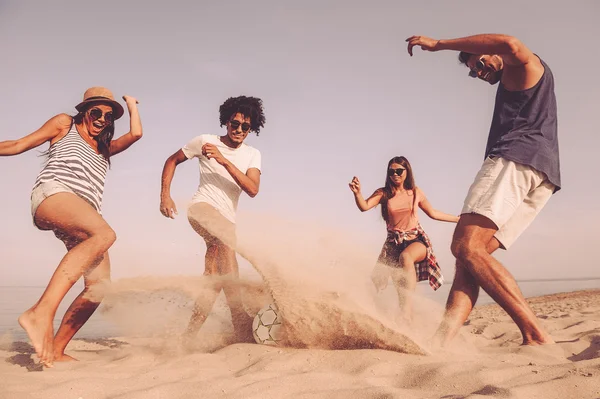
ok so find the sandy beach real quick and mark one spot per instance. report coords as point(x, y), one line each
point(485, 361)
point(311, 139)
point(342, 339)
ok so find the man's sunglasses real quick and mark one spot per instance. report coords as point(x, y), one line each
point(392, 172)
point(235, 124)
point(96, 113)
point(479, 65)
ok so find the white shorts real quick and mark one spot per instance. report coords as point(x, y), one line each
point(510, 194)
point(45, 190)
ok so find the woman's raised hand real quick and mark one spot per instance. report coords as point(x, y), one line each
point(130, 101)
point(355, 185)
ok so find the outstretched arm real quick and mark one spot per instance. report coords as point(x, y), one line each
point(52, 128)
point(425, 205)
point(513, 51)
point(167, 205)
point(249, 182)
point(361, 203)
point(135, 130)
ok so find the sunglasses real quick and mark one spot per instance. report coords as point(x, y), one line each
point(392, 172)
point(96, 113)
point(235, 124)
point(479, 65)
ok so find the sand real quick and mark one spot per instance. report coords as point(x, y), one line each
point(340, 341)
point(486, 361)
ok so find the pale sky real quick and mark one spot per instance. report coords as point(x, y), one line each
point(341, 98)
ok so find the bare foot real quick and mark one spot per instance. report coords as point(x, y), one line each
point(41, 334)
point(545, 340)
point(61, 357)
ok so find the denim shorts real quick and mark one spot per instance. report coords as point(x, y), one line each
point(390, 253)
point(45, 190)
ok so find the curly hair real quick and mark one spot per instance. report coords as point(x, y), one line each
point(251, 107)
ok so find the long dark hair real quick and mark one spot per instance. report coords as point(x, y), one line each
point(389, 190)
point(105, 136)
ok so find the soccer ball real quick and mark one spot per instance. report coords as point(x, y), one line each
point(266, 327)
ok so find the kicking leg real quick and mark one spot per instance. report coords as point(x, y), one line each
point(470, 246)
point(242, 322)
point(205, 302)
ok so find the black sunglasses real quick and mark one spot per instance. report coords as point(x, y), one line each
point(96, 113)
point(235, 124)
point(479, 65)
point(392, 172)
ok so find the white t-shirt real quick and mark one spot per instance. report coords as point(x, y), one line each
point(217, 187)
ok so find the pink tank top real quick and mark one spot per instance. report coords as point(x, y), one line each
point(401, 214)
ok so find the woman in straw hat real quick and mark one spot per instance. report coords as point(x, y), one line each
point(67, 198)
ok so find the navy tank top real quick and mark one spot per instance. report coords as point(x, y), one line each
point(524, 127)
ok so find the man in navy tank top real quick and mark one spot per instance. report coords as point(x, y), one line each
point(520, 173)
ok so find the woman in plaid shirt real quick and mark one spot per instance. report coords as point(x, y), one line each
point(407, 254)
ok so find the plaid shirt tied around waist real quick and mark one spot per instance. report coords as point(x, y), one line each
point(428, 268)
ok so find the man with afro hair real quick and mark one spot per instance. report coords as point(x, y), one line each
point(228, 166)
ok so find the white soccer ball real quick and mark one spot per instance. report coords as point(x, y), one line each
point(266, 327)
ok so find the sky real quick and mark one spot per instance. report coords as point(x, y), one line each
point(341, 98)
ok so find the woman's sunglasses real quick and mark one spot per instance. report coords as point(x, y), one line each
point(479, 65)
point(392, 172)
point(235, 124)
point(96, 113)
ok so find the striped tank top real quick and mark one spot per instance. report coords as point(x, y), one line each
point(72, 162)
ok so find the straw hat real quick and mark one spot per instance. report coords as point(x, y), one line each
point(100, 95)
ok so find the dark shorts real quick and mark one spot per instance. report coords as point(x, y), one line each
point(390, 253)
